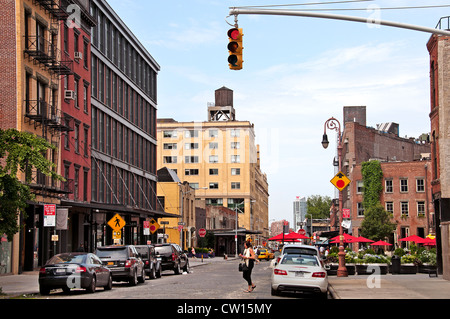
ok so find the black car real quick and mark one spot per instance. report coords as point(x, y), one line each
point(74, 271)
point(172, 258)
point(152, 265)
point(124, 262)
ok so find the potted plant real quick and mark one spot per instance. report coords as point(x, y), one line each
point(368, 262)
point(350, 259)
point(427, 261)
point(409, 264)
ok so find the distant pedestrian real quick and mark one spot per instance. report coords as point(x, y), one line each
point(249, 258)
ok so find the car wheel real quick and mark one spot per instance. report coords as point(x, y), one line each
point(92, 285)
point(158, 273)
point(45, 291)
point(109, 285)
point(153, 273)
point(274, 292)
point(177, 269)
point(133, 279)
point(187, 268)
point(141, 279)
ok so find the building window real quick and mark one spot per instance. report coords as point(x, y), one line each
point(213, 133)
point(235, 145)
point(388, 186)
point(214, 185)
point(420, 185)
point(191, 172)
point(85, 99)
point(420, 209)
point(403, 185)
point(235, 171)
point(86, 142)
point(213, 145)
point(360, 209)
point(76, 182)
point(170, 134)
point(191, 159)
point(190, 133)
point(235, 185)
point(170, 146)
point(404, 209)
point(214, 201)
point(213, 171)
point(77, 138)
point(235, 133)
point(359, 187)
point(390, 207)
point(235, 158)
point(191, 146)
point(170, 159)
point(214, 158)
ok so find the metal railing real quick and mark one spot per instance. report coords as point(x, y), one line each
point(443, 24)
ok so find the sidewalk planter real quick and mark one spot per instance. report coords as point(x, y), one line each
point(427, 268)
point(408, 269)
point(351, 269)
point(333, 269)
point(368, 269)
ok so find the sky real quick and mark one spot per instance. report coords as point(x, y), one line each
point(298, 72)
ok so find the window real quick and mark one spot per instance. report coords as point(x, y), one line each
point(170, 134)
point(213, 145)
point(388, 186)
point(214, 158)
point(235, 185)
point(213, 171)
point(235, 158)
point(235, 133)
point(214, 185)
point(360, 209)
point(191, 146)
point(190, 133)
point(213, 133)
point(191, 159)
point(85, 99)
point(390, 207)
point(420, 185)
point(404, 208)
point(76, 182)
point(235, 145)
point(86, 141)
point(420, 209)
point(191, 172)
point(403, 185)
point(235, 171)
point(170, 159)
point(214, 201)
point(77, 138)
point(170, 146)
point(359, 187)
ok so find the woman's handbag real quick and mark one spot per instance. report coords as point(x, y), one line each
point(242, 266)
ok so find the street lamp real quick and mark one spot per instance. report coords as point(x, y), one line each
point(334, 124)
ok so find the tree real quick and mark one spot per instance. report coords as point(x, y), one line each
point(377, 223)
point(20, 152)
point(318, 206)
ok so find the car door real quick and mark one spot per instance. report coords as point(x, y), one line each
point(100, 271)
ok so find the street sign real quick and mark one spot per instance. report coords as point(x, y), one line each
point(340, 181)
point(346, 213)
point(302, 232)
point(49, 215)
point(202, 232)
point(117, 234)
point(154, 226)
point(117, 222)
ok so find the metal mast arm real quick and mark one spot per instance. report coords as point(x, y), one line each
point(236, 11)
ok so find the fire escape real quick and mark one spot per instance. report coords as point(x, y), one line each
point(43, 112)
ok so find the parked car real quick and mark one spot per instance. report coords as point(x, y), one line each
point(299, 249)
point(300, 273)
point(74, 270)
point(152, 265)
point(124, 262)
point(265, 254)
point(172, 258)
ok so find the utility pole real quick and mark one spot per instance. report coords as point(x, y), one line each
point(236, 11)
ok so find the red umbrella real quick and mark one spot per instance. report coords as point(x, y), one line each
point(414, 238)
point(277, 237)
point(294, 236)
point(347, 239)
point(361, 239)
point(429, 242)
point(380, 243)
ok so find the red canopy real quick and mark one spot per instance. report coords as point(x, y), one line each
point(414, 238)
point(429, 242)
point(380, 243)
point(347, 239)
point(361, 239)
point(288, 237)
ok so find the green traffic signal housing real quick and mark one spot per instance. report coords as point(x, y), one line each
point(235, 49)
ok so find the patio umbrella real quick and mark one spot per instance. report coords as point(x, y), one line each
point(380, 243)
point(295, 236)
point(277, 237)
point(347, 239)
point(429, 242)
point(414, 238)
point(361, 239)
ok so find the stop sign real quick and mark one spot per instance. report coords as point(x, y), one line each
point(202, 232)
point(302, 232)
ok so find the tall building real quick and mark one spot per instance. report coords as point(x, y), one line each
point(31, 67)
point(439, 49)
point(219, 154)
point(300, 209)
point(123, 129)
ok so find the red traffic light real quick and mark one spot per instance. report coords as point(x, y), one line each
point(234, 33)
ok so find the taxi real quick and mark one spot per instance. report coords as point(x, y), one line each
point(265, 254)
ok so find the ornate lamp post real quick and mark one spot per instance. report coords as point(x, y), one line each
point(334, 124)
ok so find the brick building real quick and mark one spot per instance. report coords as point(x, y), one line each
point(439, 49)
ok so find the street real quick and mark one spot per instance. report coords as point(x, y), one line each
point(217, 280)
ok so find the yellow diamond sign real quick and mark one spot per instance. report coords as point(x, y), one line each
point(116, 223)
point(340, 181)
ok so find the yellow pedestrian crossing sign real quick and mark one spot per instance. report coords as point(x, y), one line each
point(116, 223)
point(340, 181)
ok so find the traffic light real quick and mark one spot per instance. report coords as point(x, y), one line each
point(235, 48)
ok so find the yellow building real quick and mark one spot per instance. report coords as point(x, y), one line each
point(220, 155)
point(176, 198)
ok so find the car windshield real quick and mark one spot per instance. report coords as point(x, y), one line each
point(67, 259)
point(112, 253)
point(305, 260)
point(164, 249)
point(143, 251)
point(300, 250)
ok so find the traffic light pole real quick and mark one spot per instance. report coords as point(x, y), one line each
point(236, 11)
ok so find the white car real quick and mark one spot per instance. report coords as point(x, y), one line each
point(300, 273)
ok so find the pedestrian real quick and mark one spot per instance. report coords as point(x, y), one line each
point(249, 258)
point(193, 252)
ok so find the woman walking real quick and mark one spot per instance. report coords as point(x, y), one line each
point(249, 259)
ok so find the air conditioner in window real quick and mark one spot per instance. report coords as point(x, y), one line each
point(78, 55)
point(69, 95)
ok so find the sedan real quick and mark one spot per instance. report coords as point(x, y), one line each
point(74, 271)
point(300, 273)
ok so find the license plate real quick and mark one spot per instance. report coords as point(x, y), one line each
point(110, 263)
point(60, 271)
point(299, 274)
